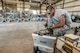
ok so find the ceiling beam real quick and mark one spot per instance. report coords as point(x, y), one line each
point(20, 2)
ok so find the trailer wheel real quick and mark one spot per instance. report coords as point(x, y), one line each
point(36, 49)
point(1, 20)
point(7, 20)
point(40, 51)
point(22, 19)
point(16, 20)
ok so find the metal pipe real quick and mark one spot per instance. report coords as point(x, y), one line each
point(23, 4)
point(41, 5)
point(5, 5)
point(63, 4)
point(2, 4)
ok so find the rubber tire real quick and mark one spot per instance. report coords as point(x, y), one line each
point(16, 20)
point(1, 20)
point(22, 19)
point(8, 20)
point(35, 49)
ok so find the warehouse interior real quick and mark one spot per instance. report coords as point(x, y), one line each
point(20, 19)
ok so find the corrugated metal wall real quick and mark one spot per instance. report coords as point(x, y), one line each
point(72, 6)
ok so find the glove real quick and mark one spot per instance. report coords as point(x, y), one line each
point(45, 25)
point(50, 30)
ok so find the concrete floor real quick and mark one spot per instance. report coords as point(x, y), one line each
point(16, 37)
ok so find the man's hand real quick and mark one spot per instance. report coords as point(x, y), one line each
point(52, 27)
